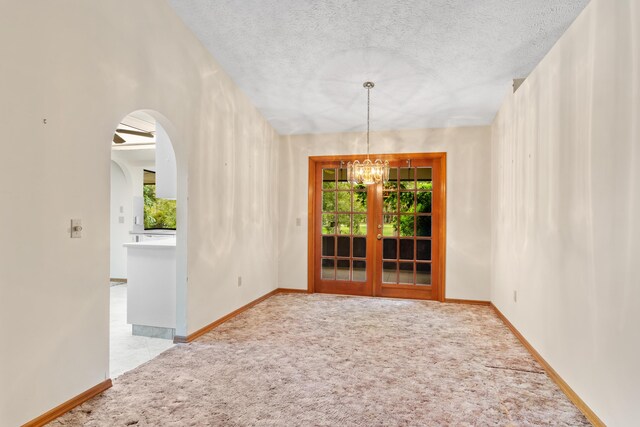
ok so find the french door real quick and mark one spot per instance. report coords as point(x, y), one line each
point(378, 240)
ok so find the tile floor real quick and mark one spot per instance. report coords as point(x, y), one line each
point(128, 351)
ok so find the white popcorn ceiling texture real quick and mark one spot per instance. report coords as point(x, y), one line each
point(436, 63)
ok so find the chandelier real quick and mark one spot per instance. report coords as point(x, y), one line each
point(368, 172)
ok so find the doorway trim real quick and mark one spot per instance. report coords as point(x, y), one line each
point(440, 204)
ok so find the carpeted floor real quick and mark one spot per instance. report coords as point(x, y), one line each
point(322, 360)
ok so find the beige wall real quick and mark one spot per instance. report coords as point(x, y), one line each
point(468, 198)
point(564, 170)
point(566, 209)
point(84, 65)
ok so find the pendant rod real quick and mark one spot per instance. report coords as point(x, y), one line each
point(368, 116)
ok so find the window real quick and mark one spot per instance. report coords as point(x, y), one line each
point(159, 214)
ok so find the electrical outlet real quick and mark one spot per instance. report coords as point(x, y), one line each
point(239, 281)
point(515, 296)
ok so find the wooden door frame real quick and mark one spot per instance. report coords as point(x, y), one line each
point(440, 205)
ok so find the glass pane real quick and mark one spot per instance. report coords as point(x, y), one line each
point(360, 201)
point(359, 271)
point(423, 226)
point(359, 225)
point(423, 274)
point(423, 176)
point(327, 269)
point(344, 201)
point(406, 273)
point(359, 247)
point(342, 272)
point(406, 225)
point(392, 184)
point(406, 201)
point(328, 179)
point(389, 272)
point(344, 224)
point(328, 201)
point(407, 176)
point(389, 248)
point(328, 224)
point(344, 244)
point(423, 250)
point(390, 226)
point(328, 246)
point(360, 187)
point(406, 249)
point(390, 202)
point(343, 184)
point(424, 202)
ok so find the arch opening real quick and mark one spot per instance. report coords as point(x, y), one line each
point(147, 240)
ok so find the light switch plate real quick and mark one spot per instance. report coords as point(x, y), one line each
point(76, 228)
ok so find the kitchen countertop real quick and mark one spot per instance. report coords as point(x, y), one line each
point(169, 242)
point(153, 232)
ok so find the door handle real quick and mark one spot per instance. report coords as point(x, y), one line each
point(379, 237)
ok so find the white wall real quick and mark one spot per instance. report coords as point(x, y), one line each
point(133, 163)
point(121, 207)
point(127, 178)
point(566, 209)
point(84, 65)
point(468, 198)
point(166, 174)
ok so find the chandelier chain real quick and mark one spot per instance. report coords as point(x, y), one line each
point(368, 116)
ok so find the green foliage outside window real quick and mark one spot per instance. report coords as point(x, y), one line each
point(158, 213)
point(406, 223)
point(423, 204)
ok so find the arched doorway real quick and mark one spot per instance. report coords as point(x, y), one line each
point(148, 255)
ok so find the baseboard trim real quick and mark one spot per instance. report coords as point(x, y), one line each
point(467, 301)
point(60, 410)
point(183, 340)
point(573, 397)
point(291, 291)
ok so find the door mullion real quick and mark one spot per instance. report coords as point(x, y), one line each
point(373, 209)
point(371, 239)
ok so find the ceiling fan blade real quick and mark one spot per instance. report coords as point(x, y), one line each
point(135, 132)
point(118, 139)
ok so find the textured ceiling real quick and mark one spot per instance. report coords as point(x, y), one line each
point(436, 63)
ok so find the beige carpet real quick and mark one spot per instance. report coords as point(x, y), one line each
point(320, 360)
